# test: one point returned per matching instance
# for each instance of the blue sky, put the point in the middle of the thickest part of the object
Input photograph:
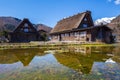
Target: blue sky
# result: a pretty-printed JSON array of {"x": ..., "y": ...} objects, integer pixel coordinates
[{"x": 49, "y": 12}]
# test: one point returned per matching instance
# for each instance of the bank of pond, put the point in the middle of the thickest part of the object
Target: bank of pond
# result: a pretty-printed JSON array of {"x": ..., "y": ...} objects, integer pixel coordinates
[{"x": 50, "y": 44}]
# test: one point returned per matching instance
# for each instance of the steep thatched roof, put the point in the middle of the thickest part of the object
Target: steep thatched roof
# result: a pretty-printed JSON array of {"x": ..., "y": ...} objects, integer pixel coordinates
[
  {"x": 69, "y": 23},
  {"x": 25, "y": 20}
]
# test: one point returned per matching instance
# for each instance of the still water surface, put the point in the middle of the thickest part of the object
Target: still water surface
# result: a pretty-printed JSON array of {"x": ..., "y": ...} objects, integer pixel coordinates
[{"x": 60, "y": 63}]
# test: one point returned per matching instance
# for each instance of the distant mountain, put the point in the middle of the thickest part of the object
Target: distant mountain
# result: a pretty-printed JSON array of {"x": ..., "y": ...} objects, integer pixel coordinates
[
  {"x": 105, "y": 20},
  {"x": 115, "y": 26},
  {"x": 115, "y": 23},
  {"x": 43, "y": 27},
  {"x": 8, "y": 23}
]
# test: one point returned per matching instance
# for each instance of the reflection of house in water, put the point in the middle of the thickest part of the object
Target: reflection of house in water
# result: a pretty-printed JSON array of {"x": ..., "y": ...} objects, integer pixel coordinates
[
  {"x": 6, "y": 58},
  {"x": 25, "y": 56},
  {"x": 82, "y": 50},
  {"x": 87, "y": 50},
  {"x": 78, "y": 62}
]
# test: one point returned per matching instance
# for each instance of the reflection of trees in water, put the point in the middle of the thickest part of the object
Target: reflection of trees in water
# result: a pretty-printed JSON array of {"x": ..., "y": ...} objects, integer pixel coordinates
[{"x": 23, "y": 55}]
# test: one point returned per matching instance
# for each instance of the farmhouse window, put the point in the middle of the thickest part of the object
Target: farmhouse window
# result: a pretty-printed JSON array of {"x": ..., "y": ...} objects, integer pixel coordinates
[
  {"x": 85, "y": 25},
  {"x": 26, "y": 30},
  {"x": 85, "y": 19}
]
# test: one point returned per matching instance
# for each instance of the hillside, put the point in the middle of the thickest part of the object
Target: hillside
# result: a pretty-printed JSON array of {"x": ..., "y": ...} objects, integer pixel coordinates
[
  {"x": 43, "y": 27},
  {"x": 115, "y": 26},
  {"x": 115, "y": 23},
  {"x": 8, "y": 23}
]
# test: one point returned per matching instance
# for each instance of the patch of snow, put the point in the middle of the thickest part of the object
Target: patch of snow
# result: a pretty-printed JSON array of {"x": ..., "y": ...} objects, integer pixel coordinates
[
  {"x": 105, "y": 20},
  {"x": 109, "y": 61}
]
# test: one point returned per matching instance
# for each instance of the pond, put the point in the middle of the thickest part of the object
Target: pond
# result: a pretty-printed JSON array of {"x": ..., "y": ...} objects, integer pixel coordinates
[{"x": 60, "y": 63}]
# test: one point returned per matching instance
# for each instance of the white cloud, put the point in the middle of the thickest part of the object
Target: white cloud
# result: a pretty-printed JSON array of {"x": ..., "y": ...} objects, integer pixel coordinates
[
  {"x": 117, "y": 2},
  {"x": 105, "y": 20}
]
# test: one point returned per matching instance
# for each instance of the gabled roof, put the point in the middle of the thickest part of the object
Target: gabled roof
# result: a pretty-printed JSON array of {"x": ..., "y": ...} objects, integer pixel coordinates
[
  {"x": 25, "y": 20},
  {"x": 69, "y": 23}
]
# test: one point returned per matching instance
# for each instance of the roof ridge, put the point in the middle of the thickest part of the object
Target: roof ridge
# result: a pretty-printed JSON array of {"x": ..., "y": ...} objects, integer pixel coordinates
[
  {"x": 78, "y": 23},
  {"x": 87, "y": 11}
]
